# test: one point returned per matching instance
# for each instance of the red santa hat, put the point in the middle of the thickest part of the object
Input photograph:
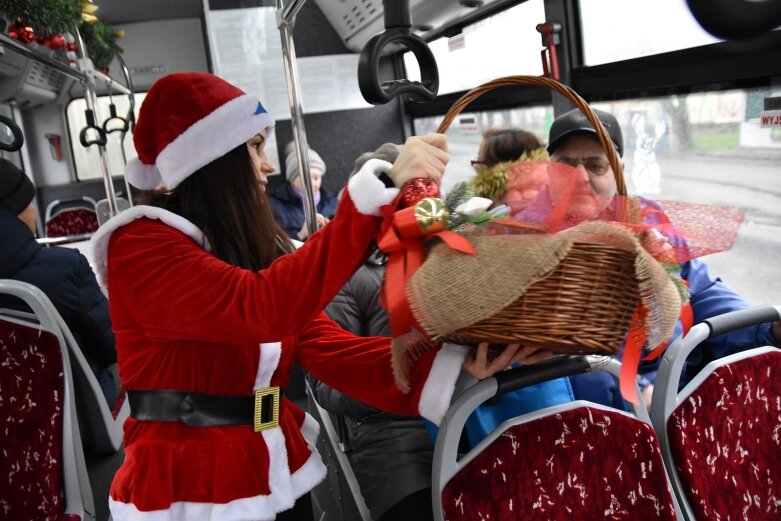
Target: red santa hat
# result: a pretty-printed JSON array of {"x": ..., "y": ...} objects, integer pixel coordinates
[{"x": 187, "y": 120}]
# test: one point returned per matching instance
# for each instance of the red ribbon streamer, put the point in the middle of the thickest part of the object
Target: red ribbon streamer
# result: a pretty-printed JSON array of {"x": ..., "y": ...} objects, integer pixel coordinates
[{"x": 402, "y": 239}]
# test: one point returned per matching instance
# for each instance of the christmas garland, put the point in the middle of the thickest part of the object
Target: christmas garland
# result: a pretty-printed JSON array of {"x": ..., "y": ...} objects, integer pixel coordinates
[
  {"x": 47, "y": 22},
  {"x": 46, "y": 17},
  {"x": 100, "y": 40}
]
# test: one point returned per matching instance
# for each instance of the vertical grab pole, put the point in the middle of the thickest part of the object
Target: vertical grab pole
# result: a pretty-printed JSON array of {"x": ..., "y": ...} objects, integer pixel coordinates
[
  {"x": 86, "y": 66},
  {"x": 286, "y": 15},
  {"x": 129, "y": 123}
]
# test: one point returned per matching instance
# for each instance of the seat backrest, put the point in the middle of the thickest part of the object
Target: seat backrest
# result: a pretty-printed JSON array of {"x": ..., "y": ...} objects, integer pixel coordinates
[
  {"x": 42, "y": 462},
  {"x": 104, "y": 208},
  {"x": 62, "y": 204},
  {"x": 725, "y": 438},
  {"x": 578, "y": 460},
  {"x": 720, "y": 434},
  {"x": 72, "y": 221},
  {"x": 101, "y": 425}
]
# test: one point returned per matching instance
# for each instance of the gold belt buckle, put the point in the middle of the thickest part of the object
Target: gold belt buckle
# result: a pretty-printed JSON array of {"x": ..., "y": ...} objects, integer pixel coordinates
[{"x": 266, "y": 408}]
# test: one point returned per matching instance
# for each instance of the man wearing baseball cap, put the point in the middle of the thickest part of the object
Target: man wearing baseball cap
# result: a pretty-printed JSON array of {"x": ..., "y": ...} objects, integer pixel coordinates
[{"x": 573, "y": 141}]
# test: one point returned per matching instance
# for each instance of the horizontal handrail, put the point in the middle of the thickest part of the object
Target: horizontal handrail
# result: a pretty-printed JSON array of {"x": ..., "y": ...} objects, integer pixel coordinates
[{"x": 54, "y": 241}]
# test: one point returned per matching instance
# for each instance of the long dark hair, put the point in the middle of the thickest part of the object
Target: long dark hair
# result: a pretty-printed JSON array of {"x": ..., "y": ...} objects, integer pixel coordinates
[
  {"x": 226, "y": 202},
  {"x": 502, "y": 145}
]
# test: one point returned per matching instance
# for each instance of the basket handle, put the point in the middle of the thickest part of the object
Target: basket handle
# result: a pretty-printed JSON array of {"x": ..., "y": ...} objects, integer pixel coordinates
[{"x": 540, "y": 81}]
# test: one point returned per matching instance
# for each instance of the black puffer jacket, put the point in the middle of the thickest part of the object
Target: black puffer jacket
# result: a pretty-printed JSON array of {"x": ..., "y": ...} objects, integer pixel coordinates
[
  {"x": 391, "y": 455},
  {"x": 65, "y": 276}
]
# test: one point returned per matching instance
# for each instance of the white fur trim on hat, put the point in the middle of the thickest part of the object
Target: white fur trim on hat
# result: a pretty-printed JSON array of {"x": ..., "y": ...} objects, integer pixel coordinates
[
  {"x": 225, "y": 128},
  {"x": 141, "y": 175},
  {"x": 369, "y": 193}
]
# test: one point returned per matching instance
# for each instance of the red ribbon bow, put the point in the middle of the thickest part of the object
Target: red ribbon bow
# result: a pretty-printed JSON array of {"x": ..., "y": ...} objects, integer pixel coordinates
[{"x": 402, "y": 237}]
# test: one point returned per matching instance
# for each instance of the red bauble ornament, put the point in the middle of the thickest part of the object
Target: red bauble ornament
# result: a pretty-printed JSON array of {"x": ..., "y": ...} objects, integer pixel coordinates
[
  {"x": 13, "y": 32},
  {"x": 55, "y": 42},
  {"x": 27, "y": 35},
  {"x": 21, "y": 32},
  {"x": 416, "y": 189},
  {"x": 71, "y": 47}
]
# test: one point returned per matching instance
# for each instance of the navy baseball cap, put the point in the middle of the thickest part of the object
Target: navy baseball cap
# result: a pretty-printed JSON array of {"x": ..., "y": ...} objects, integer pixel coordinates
[{"x": 575, "y": 122}]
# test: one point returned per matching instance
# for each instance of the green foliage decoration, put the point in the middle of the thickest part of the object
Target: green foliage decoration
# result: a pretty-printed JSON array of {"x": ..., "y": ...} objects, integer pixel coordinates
[
  {"x": 46, "y": 17},
  {"x": 100, "y": 40}
]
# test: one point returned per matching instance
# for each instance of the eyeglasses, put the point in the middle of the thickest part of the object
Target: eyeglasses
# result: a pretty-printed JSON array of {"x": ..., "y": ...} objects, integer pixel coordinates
[{"x": 595, "y": 166}]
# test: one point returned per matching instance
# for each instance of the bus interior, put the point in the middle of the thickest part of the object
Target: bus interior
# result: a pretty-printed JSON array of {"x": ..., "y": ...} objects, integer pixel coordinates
[{"x": 694, "y": 84}]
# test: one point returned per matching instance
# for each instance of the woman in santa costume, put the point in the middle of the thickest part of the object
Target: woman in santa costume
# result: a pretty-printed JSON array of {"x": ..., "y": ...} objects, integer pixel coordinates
[{"x": 211, "y": 309}]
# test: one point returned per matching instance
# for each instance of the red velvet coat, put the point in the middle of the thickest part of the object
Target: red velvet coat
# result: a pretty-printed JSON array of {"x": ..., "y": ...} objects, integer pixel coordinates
[{"x": 185, "y": 320}]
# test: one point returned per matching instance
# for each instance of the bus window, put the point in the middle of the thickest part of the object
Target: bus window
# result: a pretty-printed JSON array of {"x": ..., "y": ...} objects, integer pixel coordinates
[
  {"x": 87, "y": 160},
  {"x": 704, "y": 148},
  {"x": 501, "y": 45},
  {"x": 615, "y": 30},
  {"x": 467, "y": 130},
  {"x": 711, "y": 148}
]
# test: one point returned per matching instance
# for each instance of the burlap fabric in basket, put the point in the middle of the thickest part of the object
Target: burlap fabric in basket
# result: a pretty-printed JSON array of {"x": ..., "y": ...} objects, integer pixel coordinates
[{"x": 574, "y": 291}]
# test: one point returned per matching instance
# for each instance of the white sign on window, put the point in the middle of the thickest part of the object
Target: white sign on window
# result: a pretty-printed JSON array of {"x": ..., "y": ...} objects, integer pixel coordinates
[{"x": 246, "y": 50}]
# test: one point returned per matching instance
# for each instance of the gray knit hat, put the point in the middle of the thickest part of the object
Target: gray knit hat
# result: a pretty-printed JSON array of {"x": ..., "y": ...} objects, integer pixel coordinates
[
  {"x": 292, "y": 170},
  {"x": 16, "y": 189},
  {"x": 387, "y": 152}
]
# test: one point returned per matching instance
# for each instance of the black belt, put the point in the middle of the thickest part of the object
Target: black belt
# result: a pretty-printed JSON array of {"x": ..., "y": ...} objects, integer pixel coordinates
[{"x": 206, "y": 410}]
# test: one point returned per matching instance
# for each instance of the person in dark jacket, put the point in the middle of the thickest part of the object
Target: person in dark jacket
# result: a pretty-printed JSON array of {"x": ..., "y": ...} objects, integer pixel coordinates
[
  {"x": 391, "y": 455},
  {"x": 286, "y": 198},
  {"x": 63, "y": 274}
]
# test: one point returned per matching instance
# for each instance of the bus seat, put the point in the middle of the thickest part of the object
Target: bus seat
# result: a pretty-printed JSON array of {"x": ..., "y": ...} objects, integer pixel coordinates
[
  {"x": 720, "y": 434},
  {"x": 73, "y": 220},
  {"x": 578, "y": 460},
  {"x": 42, "y": 457},
  {"x": 101, "y": 425},
  {"x": 104, "y": 209}
]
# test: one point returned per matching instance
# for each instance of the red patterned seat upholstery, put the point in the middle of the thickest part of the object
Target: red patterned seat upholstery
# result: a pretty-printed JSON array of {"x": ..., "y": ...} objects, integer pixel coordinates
[
  {"x": 31, "y": 408},
  {"x": 582, "y": 462},
  {"x": 72, "y": 221},
  {"x": 725, "y": 439},
  {"x": 44, "y": 474}
]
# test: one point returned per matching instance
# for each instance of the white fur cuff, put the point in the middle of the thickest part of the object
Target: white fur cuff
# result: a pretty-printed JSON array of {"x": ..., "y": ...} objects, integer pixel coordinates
[
  {"x": 441, "y": 382},
  {"x": 369, "y": 193}
]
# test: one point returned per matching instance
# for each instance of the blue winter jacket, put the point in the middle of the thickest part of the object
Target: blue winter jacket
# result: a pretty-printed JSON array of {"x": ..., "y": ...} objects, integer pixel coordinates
[
  {"x": 289, "y": 208},
  {"x": 709, "y": 297},
  {"x": 65, "y": 276}
]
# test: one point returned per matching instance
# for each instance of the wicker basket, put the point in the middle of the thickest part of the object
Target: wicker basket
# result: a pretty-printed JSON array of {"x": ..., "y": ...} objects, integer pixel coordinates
[{"x": 585, "y": 305}]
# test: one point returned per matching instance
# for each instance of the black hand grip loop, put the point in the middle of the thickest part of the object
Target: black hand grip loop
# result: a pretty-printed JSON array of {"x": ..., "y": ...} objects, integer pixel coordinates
[
  {"x": 124, "y": 124},
  {"x": 378, "y": 93},
  {"x": 99, "y": 140},
  {"x": 18, "y": 141}
]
